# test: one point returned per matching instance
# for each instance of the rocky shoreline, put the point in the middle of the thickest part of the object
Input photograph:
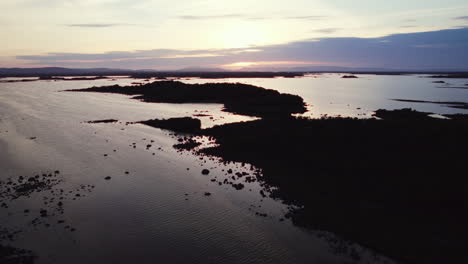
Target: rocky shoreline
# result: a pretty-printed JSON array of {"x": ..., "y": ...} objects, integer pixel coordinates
[{"x": 394, "y": 184}]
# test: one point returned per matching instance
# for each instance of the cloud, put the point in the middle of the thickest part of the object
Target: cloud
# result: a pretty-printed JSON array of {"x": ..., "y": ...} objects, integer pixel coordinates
[
  {"x": 249, "y": 17},
  {"x": 212, "y": 17},
  {"x": 327, "y": 30},
  {"x": 257, "y": 18},
  {"x": 140, "y": 55},
  {"x": 461, "y": 18},
  {"x": 306, "y": 17},
  {"x": 445, "y": 49},
  {"x": 93, "y": 25},
  {"x": 98, "y": 25}
]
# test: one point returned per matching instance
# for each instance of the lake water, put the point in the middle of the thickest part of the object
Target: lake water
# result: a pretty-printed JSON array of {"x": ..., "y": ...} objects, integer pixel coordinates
[{"x": 159, "y": 212}]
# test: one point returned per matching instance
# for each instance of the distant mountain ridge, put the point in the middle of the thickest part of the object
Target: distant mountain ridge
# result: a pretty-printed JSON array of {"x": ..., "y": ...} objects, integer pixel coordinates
[
  {"x": 59, "y": 71},
  {"x": 340, "y": 69},
  {"x": 24, "y": 72}
]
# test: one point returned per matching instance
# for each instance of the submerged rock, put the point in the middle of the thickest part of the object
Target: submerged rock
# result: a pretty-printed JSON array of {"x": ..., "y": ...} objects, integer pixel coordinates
[
  {"x": 103, "y": 121},
  {"x": 181, "y": 124},
  {"x": 400, "y": 114}
]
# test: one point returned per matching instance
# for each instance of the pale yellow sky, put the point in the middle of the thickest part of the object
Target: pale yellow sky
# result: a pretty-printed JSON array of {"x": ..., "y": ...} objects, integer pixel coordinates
[{"x": 35, "y": 27}]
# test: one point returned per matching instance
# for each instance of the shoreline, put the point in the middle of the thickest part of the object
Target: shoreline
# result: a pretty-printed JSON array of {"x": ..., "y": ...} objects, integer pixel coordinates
[
  {"x": 266, "y": 144},
  {"x": 350, "y": 178},
  {"x": 353, "y": 177}
]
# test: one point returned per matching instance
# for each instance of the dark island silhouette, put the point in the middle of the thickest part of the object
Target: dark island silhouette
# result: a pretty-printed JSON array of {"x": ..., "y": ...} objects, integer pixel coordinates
[
  {"x": 459, "y": 105},
  {"x": 395, "y": 183},
  {"x": 181, "y": 124},
  {"x": 237, "y": 98}
]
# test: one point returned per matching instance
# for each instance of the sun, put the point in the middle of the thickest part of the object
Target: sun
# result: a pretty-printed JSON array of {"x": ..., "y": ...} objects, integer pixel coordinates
[{"x": 242, "y": 35}]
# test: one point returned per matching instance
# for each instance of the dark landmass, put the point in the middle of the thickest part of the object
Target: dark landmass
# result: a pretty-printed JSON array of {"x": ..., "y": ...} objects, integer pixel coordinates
[
  {"x": 383, "y": 73},
  {"x": 185, "y": 73},
  {"x": 103, "y": 121},
  {"x": 58, "y": 71},
  {"x": 15, "y": 81},
  {"x": 459, "y": 105},
  {"x": 237, "y": 98},
  {"x": 349, "y": 77},
  {"x": 216, "y": 75},
  {"x": 458, "y": 116},
  {"x": 402, "y": 114},
  {"x": 395, "y": 185},
  {"x": 58, "y": 78},
  {"x": 55, "y": 78},
  {"x": 183, "y": 124},
  {"x": 438, "y": 82},
  {"x": 463, "y": 75}
]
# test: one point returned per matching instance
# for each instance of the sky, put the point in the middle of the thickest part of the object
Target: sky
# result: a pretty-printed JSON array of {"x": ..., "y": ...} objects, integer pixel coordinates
[{"x": 169, "y": 34}]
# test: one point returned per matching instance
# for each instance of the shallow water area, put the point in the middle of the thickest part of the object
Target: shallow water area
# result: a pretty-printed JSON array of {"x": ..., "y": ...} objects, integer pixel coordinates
[
  {"x": 332, "y": 95},
  {"x": 156, "y": 205},
  {"x": 146, "y": 200}
]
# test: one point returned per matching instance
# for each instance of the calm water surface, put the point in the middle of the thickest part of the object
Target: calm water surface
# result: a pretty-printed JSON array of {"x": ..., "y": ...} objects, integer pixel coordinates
[{"x": 158, "y": 212}]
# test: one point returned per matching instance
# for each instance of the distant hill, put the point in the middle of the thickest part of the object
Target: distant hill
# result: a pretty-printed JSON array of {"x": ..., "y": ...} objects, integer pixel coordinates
[
  {"x": 201, "y": 69},
  {"x": 339, "y": 69},
  {"x": 25, "y": 72},
  {"x": 196, "y": 71}
]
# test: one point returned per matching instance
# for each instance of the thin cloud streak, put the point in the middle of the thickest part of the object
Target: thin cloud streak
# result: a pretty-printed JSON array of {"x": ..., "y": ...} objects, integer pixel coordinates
[
  {"x": 327, "y": 30},
  {"x": 104, "y": 25},
  {"x": 93, "y": 25},
  {"x": 249, "y": 17},
  {"x": 307, "y": 17},
  {"x": 211, "y": 17}
]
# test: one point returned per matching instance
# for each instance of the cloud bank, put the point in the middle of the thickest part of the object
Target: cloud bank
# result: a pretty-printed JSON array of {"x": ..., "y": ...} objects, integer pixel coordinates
[{"x": 445, "y": 49}]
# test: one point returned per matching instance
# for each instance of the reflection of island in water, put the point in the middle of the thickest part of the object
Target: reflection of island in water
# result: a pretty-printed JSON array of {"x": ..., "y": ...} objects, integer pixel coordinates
[{"x": 396, "y": 185}]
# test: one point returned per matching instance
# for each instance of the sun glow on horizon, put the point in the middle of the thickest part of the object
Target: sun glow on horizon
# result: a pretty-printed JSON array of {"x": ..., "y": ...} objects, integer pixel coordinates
[
  {"x": 247, "y": 64},
  {"x": 240, "y": 64}
]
